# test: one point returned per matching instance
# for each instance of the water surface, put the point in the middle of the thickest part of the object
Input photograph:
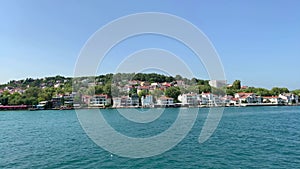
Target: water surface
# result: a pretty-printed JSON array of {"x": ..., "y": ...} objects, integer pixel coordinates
[{"x": 251, "y": 137}]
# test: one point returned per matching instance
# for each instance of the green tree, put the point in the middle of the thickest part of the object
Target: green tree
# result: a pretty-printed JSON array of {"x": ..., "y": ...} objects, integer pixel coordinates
[
  {"x": 32, "y": 92},
  {"x": 173, "y": 92},
  {"x": 3, "y": 100},
  {"x": 277, "y": 90},
  {"x": 142, "y": 93},
  {"x": 99, "y": 89},
  {"x": 90, "y": 91},
  {"x": 218, "y": 91},
  {"x": 132, "y": 92},
  {"x": 192, "y": 89},
  {"x": 262, "y": 92},
  {"x": 204, "y": 88},
  {"x": 230, "y": 91},
  {"x": 157, "y": 93},
  {"x": 236, "y": 85},
  {"x": 15, "y": 99},
  {"x": 107, "y": 89},
  {"x": 296, "y": 92}
]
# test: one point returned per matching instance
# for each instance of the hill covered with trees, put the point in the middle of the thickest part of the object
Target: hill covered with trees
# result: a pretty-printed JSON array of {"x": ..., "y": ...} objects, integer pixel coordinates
[{"x": 31, "y": 91}]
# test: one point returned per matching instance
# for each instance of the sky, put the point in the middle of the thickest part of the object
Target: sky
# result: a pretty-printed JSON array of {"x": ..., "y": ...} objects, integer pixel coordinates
[{"x": 258, "y": 42}]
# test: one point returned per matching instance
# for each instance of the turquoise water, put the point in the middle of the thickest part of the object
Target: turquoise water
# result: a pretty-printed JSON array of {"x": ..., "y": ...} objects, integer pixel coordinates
[{"x": 251, "y": 137}]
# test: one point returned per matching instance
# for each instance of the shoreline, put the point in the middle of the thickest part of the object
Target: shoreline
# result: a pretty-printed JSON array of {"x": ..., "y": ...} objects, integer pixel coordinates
[{"x": 30, "y": 108}]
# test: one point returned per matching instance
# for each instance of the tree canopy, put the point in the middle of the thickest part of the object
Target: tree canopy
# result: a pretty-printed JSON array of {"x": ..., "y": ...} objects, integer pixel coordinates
[{"x": 173, "y": 92}]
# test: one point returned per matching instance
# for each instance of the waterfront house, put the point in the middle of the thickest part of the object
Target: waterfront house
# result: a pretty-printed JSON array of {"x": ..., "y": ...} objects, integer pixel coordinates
[
  {"x": 116, "y": 102},
  {"x": 100, "y": 100},
  {"x": 43, "y": 105},
  {"x": 189, "y": 99},
  {"x": 135, "y": 100},
  {"x": 248, "y": 98},
  {"x": 272, "y": 99},
  {"x": 147, "y": 101},
  {"x": 57, "y": 101},
  {"x": 126, "y": 101},
  {"x": 235, "y": 101},
  {"x": 69, "y": 99},
  {"x": 86, "y": 99},
  {"x": 210, "y": 99},
  {"x": 228, "y": 100},
  {"x": 165, "y": 101},
  {"x": 289, "y": 98}
]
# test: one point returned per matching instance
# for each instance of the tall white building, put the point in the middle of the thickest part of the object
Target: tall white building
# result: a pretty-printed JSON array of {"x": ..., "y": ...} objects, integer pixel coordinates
[
  {"x": 147, "y": 101},
  {"x": 218, "y": 83}
]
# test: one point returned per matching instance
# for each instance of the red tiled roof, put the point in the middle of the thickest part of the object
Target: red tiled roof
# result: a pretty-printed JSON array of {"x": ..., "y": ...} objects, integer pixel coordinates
[
  {"x": 165, "y": 97},
  {"x": 270, "y": 97},
  {"x": 243, "y": 95},
  {"x": 234, "y": 99}
]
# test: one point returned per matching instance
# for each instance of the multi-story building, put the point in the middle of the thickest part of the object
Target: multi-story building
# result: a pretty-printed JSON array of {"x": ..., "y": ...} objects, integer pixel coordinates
[
  {"x": 147, "y": 101},
  {"x": 248, "y": 98},
  {"x": 165, "y": 101},
  {"x": 218, "y": 83},
  {"x": 189, "y": 99},
  {"x": 101, "y": 100}
]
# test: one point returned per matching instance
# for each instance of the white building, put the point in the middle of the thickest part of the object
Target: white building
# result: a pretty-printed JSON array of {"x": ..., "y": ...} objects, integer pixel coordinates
[
  {"x": 165, "y": 101},
  {"x": 228, "y": 100},
  {"x": 248, "y": 98},
  {"x": 147, "y": 101},
  {"x": 101, "y": 100},
  {"x": 189, "y": 99},
  {"x": 272, "y": 99},
  {"x": 125, "y": 101},
  {"x": 210, "y": 99},
  {"x": 218, "y": 83},
  {"x": 289, "y": 98},
  {"x": 116, "y": 102}
]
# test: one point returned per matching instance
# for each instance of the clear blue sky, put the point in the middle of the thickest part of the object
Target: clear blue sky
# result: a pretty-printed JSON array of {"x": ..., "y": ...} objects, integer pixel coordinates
[{"x": 257, "y": 41}]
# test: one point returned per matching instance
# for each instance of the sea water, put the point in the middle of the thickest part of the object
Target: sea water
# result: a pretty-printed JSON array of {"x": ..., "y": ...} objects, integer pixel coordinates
[{"x": 246, "y": 137}]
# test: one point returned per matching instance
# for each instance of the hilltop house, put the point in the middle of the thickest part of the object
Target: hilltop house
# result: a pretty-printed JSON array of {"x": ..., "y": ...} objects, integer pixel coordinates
[
  {"x": 218, "y": 83},
  {"x": 142, "y": 88}
]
